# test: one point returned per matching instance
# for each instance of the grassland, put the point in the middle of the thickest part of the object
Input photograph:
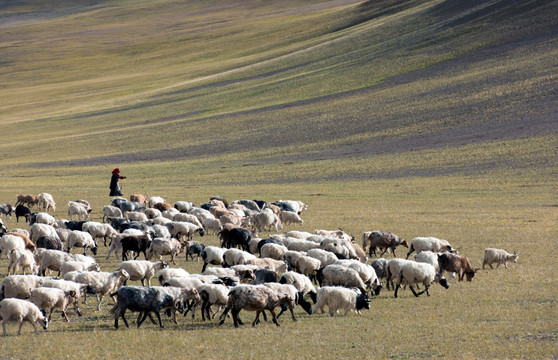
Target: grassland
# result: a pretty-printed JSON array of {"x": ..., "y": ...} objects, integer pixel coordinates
[{"x": 418, "y": 117}]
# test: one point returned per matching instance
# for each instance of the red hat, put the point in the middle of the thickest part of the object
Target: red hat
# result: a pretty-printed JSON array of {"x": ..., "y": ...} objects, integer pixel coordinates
[{"x": 116, "y": 171}]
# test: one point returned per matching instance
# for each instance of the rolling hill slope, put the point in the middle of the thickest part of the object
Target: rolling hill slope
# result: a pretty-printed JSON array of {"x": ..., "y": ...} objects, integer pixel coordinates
[{"x": 143, "y": 82}]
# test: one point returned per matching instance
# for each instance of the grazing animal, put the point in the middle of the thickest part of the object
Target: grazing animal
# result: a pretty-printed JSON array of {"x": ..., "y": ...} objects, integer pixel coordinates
[
  {"x": 433, "y": 244},
  {"x": 51, "y": 299},
  {"x": 46, "y": 202},
  {"x": 22, "y": 211},
  {"x": 6, "y": 209},
  {"x": 339, "y": 298},
  {"x": 254, "y": 298},
  {"x": 499, "y": 257},
  {"x": 142, "y": 269},
  {"x": 235, "y": 237},
  {"x": 27, "y": 199},
  {"x": 412, "y": 273},
  {"x": 456, "y": 264},
  {"x": 21, "y": 310},
  {"x": 383, "y": 240},
  {"x": 144, "y": 300},
  {"x": 340, "y": 275}
]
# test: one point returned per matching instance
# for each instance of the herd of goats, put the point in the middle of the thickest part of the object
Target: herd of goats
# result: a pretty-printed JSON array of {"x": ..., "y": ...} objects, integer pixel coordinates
[{"x": 326, "y": 267}]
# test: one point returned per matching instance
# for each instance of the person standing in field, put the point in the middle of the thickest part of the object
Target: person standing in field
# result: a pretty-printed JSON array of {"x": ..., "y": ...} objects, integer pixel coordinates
[{"x": 114, "y": 184}]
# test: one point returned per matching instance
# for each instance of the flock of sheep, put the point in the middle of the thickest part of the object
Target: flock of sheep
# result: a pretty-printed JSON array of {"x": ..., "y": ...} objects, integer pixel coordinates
[{"x": 246, "y": 272}]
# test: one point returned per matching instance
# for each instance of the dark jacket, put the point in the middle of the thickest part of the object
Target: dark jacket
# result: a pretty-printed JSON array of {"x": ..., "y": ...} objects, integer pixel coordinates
[{"x": 115, "y": 186}]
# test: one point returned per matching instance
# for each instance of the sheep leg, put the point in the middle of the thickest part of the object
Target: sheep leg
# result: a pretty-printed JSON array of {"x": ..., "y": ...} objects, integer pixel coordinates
[
  {"x": 205, "y": 309},
  {"x": 292, "y": 314},
  {"x": 235, "y": 317},
  {"x": 397, "y": 289},
  {"x": 21, "y": 325},
  {"x": 414, "y": 292},
  {"x": 224, "y": 316},
  {"x": 4, "y": 333},
  {"x": 123, "y": 318},
  {"x": 257, "y": 319},
  {"x": 64, "y": 315},
  {"x": 159, "y": 318},
  {"x": 142, "y": 316}
]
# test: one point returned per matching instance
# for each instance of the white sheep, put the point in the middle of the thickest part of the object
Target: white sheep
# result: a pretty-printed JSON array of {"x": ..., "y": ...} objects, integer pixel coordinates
[
  {"x": 222, "y": 272},
  {"x": 136, "y": 216},
  {"x": 183, "y": 206},
  {"x": 325, "y": 257},
  {"x": 412, "y": 273},
  {"x": 392, "y": 268},
  {"x": 298, "y": 234},
  {"x": 366, "y": 272},
  {"x": 498, "y": 256},
  {"x": 49, "y": 299},
  {"x": 169, "y": 214},
  {"x": 433, "y": 244},
  {"x": 273, "y": 251},
  {"x": 242, "y": 258},
  {"x": 23, "y": 259},
  {"x": 333, "y": 275},
  {"x": 142, "y": 270},
  {"x": 161, "y": 220},
  {"x": 212, "y": 226},
  {"x": 183, "y": 217},
  {"x": 212, "y": 295},
  {"x": 38, "y": 230},
  {"x": 44, "y": 218},
  {"x": 161, "y": 246},
  {"x": 266, "y": 220},
  {"x": 74, "y": 265},
  {"x": 290, "y": 257},
  {"x": 20, "y": 311},
  {"x": 339, "y": 243},
  {"x": 46, "y": 202},
  {"x": 81, "y": 239},
  {"x": 99, "y": 230},
  {"x": 155, "y": 200},
  {"x": 339, "y": 234},
  {"x": 253, "y": 245},
  {"x": 278, "y": 266},
  {"x": 339, "y": 298},
  {"x": 297, "y": 205},
  {"x": 9, "y": 242},
  {"x": 165, "y": 274},
  {"x": 110, "y": 211},
  {"x": 186, "y": 229},
  {"x": 302, "y": 245},
  {"x": 212, "y": 255},
  {"x": 75, "y": 208},
  {"x": 152, "y": 213},
  {"x": 53, "y": 260},
  {"x": 104, "y": 283},
  {"x": 161, "y": 231},
  {"x": 229, "y": 255},
  {"x": 79, "y": 289},
  {"x": 301, "y": 282},
  {"x": 19, "y": 286},
  {"x": 308, "y": 266},
  {"x": 289, "y": 217}
]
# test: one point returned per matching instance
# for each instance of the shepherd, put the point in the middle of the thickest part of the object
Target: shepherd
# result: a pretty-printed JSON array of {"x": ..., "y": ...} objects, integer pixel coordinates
[{"x": 114, "y": 185}]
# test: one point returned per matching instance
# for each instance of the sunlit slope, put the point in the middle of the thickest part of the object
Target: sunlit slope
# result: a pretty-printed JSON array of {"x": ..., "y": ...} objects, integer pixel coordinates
[{"x": 96, "y": 83}]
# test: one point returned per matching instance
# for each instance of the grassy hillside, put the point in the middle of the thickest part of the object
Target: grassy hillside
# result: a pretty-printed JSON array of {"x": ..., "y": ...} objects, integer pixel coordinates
[{"x": 418, "y": 117}]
